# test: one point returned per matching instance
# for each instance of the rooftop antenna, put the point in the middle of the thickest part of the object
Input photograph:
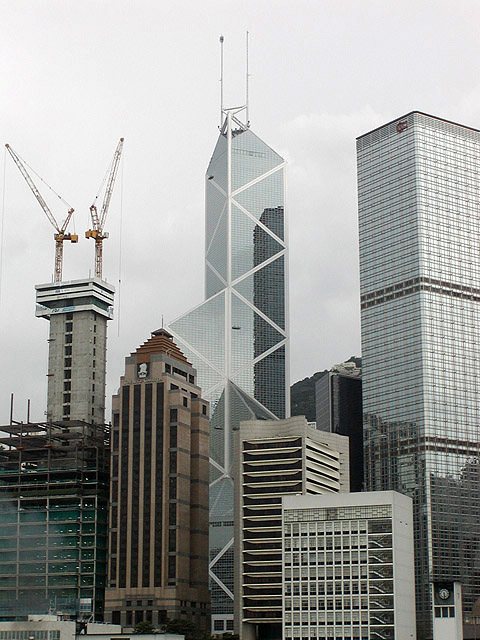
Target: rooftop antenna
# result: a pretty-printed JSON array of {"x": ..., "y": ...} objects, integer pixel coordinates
[
  {"x": 247, "y": 76},
  {"x": 221, "y": 80}
]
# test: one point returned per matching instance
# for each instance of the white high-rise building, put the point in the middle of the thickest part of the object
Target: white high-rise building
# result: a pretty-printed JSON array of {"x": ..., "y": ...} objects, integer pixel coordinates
[{"x": 348, "y": 567}]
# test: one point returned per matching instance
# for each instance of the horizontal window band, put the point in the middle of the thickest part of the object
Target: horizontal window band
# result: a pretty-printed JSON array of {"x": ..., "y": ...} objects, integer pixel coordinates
[{"x": 415, "y": 285}]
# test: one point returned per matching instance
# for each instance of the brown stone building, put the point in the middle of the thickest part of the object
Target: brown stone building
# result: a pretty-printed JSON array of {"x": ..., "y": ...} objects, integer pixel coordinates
[{"x": 158, "y": 561}]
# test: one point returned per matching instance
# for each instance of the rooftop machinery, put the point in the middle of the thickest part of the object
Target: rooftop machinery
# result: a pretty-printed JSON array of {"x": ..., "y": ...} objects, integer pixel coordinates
[{"x": 60, "y": 236}]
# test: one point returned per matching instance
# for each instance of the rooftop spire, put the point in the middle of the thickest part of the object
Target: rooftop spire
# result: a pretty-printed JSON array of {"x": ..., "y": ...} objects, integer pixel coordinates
[
  {"x": 234, "y": 110},
  {"x": 247, "y": 76},
  {"x": 221, "y": 80}
]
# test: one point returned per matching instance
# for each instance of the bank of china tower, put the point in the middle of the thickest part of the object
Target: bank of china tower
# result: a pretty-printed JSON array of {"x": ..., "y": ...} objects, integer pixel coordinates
[{"x": 238, "y": 338}]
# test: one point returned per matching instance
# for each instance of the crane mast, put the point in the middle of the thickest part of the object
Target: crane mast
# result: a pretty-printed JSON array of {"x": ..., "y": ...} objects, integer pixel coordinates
[
  {"x": 60, "y": 236},
  {"x": 97, "y": 232}
]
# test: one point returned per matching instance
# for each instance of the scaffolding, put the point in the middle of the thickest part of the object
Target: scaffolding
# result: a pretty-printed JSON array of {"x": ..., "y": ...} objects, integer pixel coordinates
[{"x": 53, "y": 518}]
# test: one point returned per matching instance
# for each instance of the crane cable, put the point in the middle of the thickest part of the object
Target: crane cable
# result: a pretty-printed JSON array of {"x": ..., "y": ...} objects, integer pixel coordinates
[
  {"x": 120, "y": 248},
  {"x": 102, "y": 184},
  {"x": 45, "y": 183},
  {"x": 2, "y": 220}
]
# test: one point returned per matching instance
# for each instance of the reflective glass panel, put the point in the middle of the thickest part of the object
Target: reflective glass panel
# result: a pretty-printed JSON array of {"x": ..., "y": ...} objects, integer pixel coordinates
[
  {"x": 218, "y": 248},
  {"x": 217, "y": 169},
  {"x": 203, "y": 328},
  {"x": 215, "y": 206},
  {"x": 264, "y": 200},
  {"x": 251, "y": 245},
  {"x": 266, "y": 290},
  {"x": 251, "y": 158}
]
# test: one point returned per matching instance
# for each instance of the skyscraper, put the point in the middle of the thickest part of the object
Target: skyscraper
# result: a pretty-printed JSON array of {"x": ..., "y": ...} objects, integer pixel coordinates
[
  {"x": 419, "y": 199},
  {"x": 275, "y": 458},
  {"x": 338, "y": 402},
  {"x": 159, "y": 491},
  {"x": 238, "y": 338}
]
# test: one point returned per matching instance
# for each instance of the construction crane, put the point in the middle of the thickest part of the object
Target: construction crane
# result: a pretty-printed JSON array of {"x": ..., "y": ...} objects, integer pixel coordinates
[
  {"x": 60, "y": 236},
  {"x": 98, "y": 220}
]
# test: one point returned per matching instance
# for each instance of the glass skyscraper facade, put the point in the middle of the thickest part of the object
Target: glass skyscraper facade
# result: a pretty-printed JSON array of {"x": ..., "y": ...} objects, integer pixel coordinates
[
  {"x": 238, "y": 338},
  {"x": 419, "y": 224}
]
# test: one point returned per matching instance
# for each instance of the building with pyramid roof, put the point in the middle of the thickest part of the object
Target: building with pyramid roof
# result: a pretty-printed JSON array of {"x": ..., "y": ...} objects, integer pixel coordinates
[{"x": 158, "y": 564}]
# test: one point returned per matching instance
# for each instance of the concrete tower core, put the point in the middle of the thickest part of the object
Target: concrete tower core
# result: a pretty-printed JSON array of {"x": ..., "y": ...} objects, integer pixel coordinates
[{"x": 78, "y": 311}]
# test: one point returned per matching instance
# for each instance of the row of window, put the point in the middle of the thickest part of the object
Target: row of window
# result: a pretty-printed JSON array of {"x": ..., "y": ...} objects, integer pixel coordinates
[{"x": 67, "y": 373}]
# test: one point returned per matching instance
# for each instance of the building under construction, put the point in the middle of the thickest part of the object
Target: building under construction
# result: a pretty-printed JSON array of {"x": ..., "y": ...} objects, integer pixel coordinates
[
  {"x": 54, "y": 475},
  {"x": 53, "y": 519}
]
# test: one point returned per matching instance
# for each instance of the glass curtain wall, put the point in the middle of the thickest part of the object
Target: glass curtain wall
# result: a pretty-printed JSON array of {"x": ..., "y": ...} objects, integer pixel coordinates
[
  {"x": 419, "y": 200},
  {"x": 238, "y": 338}
]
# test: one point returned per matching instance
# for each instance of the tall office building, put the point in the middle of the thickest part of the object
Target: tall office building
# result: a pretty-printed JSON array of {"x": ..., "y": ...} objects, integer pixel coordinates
[
  {"x": 338, "y": 403},
  {"x": 238, "y": 338},
  {"x": 419, "y": 201},
  {"x": 274, "y": 458},
  {"x": 159, "y": 491}
]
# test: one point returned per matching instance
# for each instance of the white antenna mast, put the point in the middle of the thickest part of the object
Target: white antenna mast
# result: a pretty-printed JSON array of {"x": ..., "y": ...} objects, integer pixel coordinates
[
  {"x": 247, "y": 76},
  {"x": 221, "y": 81}
]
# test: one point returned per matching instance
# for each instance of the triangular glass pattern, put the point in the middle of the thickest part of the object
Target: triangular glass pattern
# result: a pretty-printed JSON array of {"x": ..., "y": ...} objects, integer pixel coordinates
[
  {"x": 207, "y": 378},
  {"x": 244, "y": 380},
  {"x": 251, "y": 158},
  {"x": 257, "y": 410},
  {"x": 251, "y": 245},
  {"x": 204, "y": 329},
  {"x": 214, "y": 207},
  {"x": 213, "y": 284},
  {"x": 218, "y": 165},
  {"x": 217, "y": 251},
  {"x": 239, "y": 410},
  {"x": 251, "y": 336},
  {"x": 266, "y": 290},
  {"x": 217, "y": 429},
  {"x": 265, "y": 201},
  {"x": 269, "y": 382},
  {"x": 214, "y": 473},
  {"x": 221, "y": 599},
  {"x": 223, "y": 571},
  {"x": 221, "y": 503}
]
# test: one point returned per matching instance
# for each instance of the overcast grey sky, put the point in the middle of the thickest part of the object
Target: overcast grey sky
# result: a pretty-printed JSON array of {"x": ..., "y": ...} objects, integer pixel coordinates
[{"x": 75, "y": 76}]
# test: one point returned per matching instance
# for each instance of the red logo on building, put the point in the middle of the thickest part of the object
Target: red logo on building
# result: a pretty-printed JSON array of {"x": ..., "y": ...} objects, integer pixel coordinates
[{"x": 401, "y": 126}]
